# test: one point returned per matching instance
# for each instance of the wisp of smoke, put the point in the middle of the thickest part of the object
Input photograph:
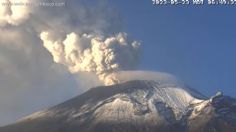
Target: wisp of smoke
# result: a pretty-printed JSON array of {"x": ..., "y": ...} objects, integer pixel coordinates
[{"x": 161, "y": 77}]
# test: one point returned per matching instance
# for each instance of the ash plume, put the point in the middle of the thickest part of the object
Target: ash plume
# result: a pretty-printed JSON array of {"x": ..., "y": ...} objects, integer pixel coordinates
[
  {"x": 28, "y": 68},
  {"x": 11, "y": 12},
  {"x": 92, "y": 53},
  {"x": 83, "y": 38}
]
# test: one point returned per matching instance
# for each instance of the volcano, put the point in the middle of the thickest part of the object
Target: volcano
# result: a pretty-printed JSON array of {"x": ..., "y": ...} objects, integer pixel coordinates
[{"x": 135, "y": 106}]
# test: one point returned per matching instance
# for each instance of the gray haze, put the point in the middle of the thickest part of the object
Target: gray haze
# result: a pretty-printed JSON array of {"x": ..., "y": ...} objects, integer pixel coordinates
[{"x": 30, "y": 79}]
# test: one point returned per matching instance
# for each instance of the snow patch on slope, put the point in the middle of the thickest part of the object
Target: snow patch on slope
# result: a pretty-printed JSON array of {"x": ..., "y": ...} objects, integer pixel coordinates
[{"x": 142, "y": 101}]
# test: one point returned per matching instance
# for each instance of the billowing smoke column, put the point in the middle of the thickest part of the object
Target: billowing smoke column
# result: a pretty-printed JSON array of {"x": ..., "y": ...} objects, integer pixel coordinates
[
  {"x": 13, "y": 14},
  {"x": 86, "y": 38},
  {"x": 83, "y": 38},
  {"x": 94, "y": 53}
]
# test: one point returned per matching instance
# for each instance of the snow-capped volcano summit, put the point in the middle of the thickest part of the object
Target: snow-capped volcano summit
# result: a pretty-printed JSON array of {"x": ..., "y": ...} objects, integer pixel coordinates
[{"x": 135, "y": 106}]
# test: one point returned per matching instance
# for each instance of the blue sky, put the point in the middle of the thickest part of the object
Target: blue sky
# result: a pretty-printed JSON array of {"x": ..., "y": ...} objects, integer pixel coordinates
[{"x": 195, "y": 43}]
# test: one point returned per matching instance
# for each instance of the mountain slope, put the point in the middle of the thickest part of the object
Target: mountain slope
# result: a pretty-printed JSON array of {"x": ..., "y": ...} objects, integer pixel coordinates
[{"x": 135, "y": 106}]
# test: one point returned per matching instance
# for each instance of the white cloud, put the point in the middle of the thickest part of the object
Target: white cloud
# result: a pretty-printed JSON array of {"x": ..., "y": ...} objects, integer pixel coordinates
[
  {"x": 28, "y": 75},
  {"x": 12, "y": 13}
]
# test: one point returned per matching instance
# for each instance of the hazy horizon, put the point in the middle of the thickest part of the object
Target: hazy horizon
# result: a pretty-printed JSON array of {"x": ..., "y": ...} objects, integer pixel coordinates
[{"x": 49, "y": 54}]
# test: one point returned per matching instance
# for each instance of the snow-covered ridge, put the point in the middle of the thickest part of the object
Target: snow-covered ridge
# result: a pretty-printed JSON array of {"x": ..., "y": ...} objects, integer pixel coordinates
[
  {"x": 136, "y": 106},
  {"x": 135, "y": 99}
]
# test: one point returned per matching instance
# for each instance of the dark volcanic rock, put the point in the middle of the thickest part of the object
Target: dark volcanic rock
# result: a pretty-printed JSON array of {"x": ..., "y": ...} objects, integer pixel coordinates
[{"x": 135, "y": 106}]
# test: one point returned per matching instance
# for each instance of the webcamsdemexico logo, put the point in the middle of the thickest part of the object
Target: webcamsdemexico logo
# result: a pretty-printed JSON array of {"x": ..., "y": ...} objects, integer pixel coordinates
[{"x": 45, "y": 3}]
